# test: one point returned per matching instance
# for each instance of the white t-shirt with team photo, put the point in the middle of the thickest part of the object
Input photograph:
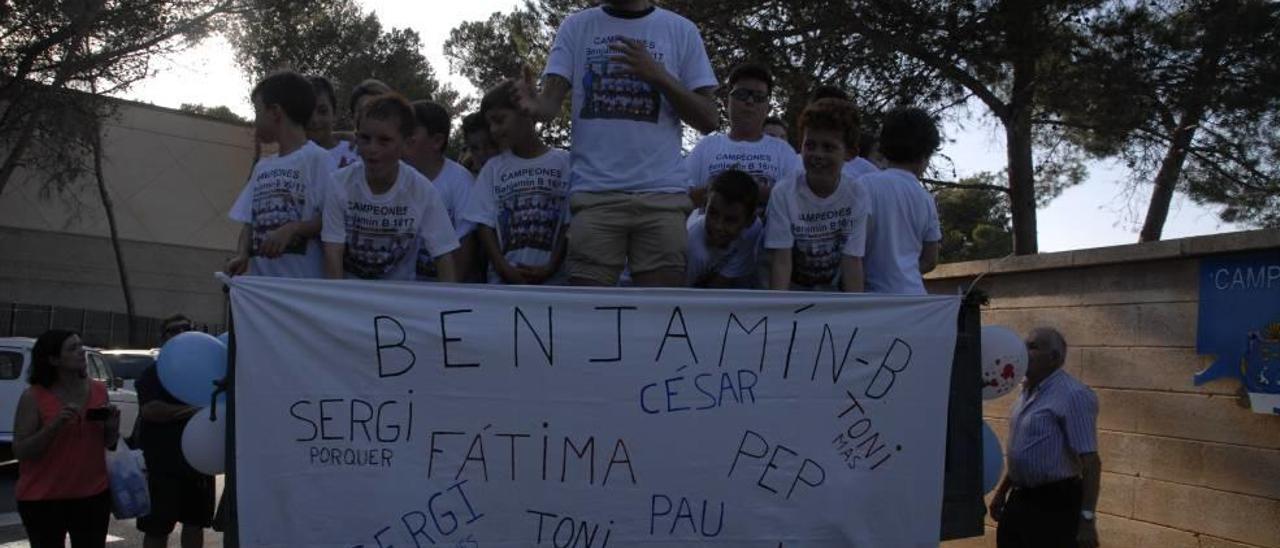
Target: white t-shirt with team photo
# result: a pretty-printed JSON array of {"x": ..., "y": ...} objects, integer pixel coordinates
[
  {"x": 819, "y": 231},
  {"x": 454, "y": 184},
  {"x": 626, "y": 134},
  {"x": 768, "y": 160},
  {"x": 524, "y": 200},
  {"x": 285, "y": 189},
  {"x": 383, "y": 233},
  {"x": 736, "y": 262}
]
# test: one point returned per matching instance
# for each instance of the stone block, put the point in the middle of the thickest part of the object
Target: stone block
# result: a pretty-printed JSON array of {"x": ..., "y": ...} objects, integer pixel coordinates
[
  {"x": 1231, "y": 242},
  {"x": 1148, "y": 368},
  {"x": 1116, "y": 494},
  {"x": 1129, "y": 533},
  {"x": 1231, "y": 516},
  {"x": 1207, "y": 418}
]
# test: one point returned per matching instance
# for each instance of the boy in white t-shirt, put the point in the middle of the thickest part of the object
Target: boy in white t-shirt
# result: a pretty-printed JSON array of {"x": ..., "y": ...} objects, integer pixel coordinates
[
  {"x": 320, "y": 130},
  {"x": 817, "y": 224},
  {"x": 746, "y": 146},
  {"x": 859, "y": 164},
  {"x": 722, "y": 243},
  {"x": 346, "y": 154},
  {"x": 521, "y": 200},
  {"x": 636, "y": 72},
  {"x": 776, "y": 127},
  {"x": 904, "y": 236},
  {"x": 281, "y": 204},
  {"x": 425, "y": 152},
  {"x": 478, "y": 142},
  {"x": 378, "y": 214}
]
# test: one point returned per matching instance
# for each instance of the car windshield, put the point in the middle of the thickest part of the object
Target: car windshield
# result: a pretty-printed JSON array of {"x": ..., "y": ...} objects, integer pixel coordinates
[{"x": 129, "y": 366}]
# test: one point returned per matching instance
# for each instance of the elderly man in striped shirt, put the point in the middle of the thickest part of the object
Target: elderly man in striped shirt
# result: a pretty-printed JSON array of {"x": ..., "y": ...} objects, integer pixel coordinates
[{"x": 1048, "y": 496}]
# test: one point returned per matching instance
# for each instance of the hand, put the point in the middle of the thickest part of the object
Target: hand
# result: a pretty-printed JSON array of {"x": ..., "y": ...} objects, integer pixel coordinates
[
  {"x": 69, "y": 413},
  {"x": 1087, "y": 534},
  {"x": 535, "y": 275},
  {"x": 637, "y": 61},
  {"x": 525, "y": 96},
  {"x": 278, "y": 240},
  {"x": 187, "y": 412},
  {"x": 511, "y": 274},
  {"x": 237, "y": 266},
  {"x": 996, "y": 510}
]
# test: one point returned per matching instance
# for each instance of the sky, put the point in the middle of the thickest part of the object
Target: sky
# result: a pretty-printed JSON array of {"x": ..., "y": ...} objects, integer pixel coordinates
[{"x": 1101, "y": 211}]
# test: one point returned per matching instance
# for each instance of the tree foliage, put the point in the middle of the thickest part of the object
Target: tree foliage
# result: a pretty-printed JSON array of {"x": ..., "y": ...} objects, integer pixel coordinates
[
  {"x": 221, "y": 112},
  {"x": 975, "y": 220},
  {"x": 1186, "y": 94},
  {"x": 339, "y": 40},
  {"x": 57, "y": 60}
]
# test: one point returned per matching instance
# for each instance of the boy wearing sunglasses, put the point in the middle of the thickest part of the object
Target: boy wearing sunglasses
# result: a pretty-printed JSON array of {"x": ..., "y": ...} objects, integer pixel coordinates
[{"x": 745, "y": 147}]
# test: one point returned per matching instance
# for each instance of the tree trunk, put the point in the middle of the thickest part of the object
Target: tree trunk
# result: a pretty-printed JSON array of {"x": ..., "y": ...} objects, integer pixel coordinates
[
  {"x": 1166, "y": 181},
  {"x": 109, "y": 207},
  {"x": 1193, "y": 104},
  {"x": 1021, "y": 29}
]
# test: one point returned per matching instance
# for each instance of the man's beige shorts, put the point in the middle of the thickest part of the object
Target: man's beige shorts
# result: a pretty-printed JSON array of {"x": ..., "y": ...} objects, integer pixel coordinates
[{"x": 612, "y": 230}]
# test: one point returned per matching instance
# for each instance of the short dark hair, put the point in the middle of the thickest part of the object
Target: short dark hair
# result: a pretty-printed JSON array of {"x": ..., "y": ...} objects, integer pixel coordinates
[
  {"x": 434, "y": 118},
  {"x": 47, "y": 347},
  {"x": 909, "y": 135},
  {"x": 867, "y": 141},
  {"x": 499, "y": 97},
  {"x": 474, "y": 122},
  {"x": 367, "y": 87},
  {"x": 323, "y": 87},
  {"x": 752, "y": 71},
  {"x": 390, "y": 106},
  {"x": 774, "y": 121},
  {"x": 291, "y": 92},
  {"x": 737, "y": 187},
  {"x": 833, "y": 115},
  {"x": 828, "y": 92}
]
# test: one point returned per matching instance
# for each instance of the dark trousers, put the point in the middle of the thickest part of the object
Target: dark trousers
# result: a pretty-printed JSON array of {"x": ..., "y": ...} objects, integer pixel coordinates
[
  {"x": 1046, "y": 516},
  {"x": 48, "y": 522}
]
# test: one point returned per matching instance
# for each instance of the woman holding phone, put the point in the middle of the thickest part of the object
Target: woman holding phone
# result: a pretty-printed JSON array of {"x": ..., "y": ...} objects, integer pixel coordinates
[{"x": 61, "y": 431}]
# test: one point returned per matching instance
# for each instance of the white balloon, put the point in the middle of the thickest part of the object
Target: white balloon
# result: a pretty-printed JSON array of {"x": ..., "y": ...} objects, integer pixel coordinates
[
  {"x": 1004, "y": 361},
  {"x": 204, "y": 442}
]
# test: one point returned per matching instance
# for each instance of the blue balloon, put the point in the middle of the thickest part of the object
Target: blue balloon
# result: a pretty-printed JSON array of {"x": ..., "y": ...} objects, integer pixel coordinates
[
  {"x": 189, "y": 364},
  {"x": 225, "y": 337},
  {"x": 992, "y": 458}
]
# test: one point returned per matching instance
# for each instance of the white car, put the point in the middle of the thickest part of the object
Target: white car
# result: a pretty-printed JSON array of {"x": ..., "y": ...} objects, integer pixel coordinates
[{"x": 15, "y": 360}]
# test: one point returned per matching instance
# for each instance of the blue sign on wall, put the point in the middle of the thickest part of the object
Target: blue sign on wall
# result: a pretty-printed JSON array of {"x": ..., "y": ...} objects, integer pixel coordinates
[{"x": 1239, "y": 323}]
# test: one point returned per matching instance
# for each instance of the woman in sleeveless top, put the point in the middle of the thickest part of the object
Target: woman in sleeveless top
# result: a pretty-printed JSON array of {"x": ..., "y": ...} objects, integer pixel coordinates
[{"x": 62, "y": 429}]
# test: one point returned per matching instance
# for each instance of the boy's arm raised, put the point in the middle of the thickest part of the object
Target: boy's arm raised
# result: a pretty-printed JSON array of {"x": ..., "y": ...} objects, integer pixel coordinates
[
  {"x": 446, "y": 269},
  {"x": 542, "y": 106}
]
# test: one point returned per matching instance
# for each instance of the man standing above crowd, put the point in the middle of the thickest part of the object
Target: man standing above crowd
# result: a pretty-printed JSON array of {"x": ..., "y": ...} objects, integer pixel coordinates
[
  {"x": 1047, "y": 498},
  {"x": 636, "y": 71}
]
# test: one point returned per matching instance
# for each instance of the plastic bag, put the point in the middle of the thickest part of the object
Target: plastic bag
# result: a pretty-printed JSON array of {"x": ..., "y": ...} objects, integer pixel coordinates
[{"x": 128, "y": 481}]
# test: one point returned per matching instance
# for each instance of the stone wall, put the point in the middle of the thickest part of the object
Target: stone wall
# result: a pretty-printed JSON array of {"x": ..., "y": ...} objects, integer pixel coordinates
[
  {"x": 173, "y": 177},
  {"x": 1183, "y": 466}
]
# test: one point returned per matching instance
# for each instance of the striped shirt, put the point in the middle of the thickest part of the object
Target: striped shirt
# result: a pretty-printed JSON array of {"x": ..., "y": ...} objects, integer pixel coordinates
[{"x": 1049, "y": 428}]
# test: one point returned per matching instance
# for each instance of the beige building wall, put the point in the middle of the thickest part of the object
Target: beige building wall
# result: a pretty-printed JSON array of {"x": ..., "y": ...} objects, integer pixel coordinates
[
  {"x": 1183, "y": 466},
  {"x": 173, "y": 177}
]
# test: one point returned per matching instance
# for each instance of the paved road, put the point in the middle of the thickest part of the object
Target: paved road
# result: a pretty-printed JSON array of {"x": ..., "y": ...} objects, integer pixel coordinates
[{"x": 123, "y": 534}]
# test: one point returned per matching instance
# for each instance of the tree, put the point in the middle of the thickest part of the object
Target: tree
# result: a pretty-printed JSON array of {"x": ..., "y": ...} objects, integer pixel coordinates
[
  {"x": 975, "y": 221},
  {"x": 82, "y": 45},
  {"x": 221, "y": 112},
  {"x": 59, "y": 60},
  {"x": 337, "y": 39},
  {"x": 487, "y": 52},
  {"x": 1185, "y": 93}
]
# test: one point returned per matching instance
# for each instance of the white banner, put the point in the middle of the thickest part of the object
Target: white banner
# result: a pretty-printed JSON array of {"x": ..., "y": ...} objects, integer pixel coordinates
[{"x": 401, "y": 414}]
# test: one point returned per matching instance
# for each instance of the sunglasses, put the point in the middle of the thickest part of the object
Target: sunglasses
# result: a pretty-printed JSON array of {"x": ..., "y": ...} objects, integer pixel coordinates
[{"x": 750, "y": 95}]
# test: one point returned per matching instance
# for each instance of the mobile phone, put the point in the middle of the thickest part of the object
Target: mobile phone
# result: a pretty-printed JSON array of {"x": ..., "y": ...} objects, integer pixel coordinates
[{"x": 98, "y": 413}]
